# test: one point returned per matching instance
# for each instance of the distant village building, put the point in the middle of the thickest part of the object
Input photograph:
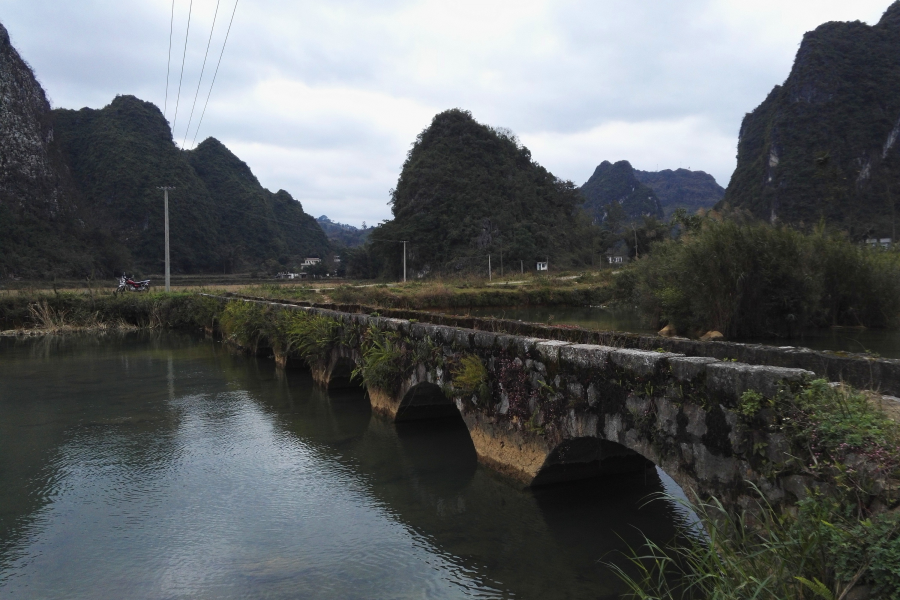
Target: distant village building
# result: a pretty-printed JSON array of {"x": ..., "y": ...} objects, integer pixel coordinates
[
  {"x": 309, "y": 262},
  {"x": 883, "y": 243},
  {"x": 288, "y": 275},
  {"x": 617, "y": 255},
  {"x": 542, "y": 266}
]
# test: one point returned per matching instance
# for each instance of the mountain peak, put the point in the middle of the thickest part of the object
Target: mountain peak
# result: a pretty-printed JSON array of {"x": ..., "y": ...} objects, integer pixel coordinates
[
  {"x": 823, "y": 146},
  {"x": 616, "y": 183},
  {"x": 891, "y": 17}
]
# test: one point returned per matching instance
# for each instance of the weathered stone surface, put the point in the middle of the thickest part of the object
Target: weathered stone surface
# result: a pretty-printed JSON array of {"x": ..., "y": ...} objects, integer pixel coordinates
[
  {"x": 666, "y": 416},
  {"x": 485, "y": 339},
  {"x": 592, "y": 395},
  {"x": 525, "y": 345},
  {"x": 733, "y": 379},
  {"x": 797, "y": 485},
  {"x": 696, "y": 418},
  {"x": 640, "y": 362},
  {"x": 508, "y": 450},
  {"x": 710, "y": 467},
  {"x": 668, "y": 408},
  {"x": 585, "y": 356},
  {"x": 548, "y": 350},
  {"x": 689, "y": 368},
  {"x": 778, "y": 450}
]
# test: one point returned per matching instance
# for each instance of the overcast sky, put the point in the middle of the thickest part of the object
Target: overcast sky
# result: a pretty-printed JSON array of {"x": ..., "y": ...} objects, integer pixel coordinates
[{"x": 323, "y": 98}]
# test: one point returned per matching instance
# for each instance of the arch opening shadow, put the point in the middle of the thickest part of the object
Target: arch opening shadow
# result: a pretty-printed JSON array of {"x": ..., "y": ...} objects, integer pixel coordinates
[
  {"x": 426, "y": 401},
  {"x": 341, "y": 375},
  {"x": 587, "y": 457}
]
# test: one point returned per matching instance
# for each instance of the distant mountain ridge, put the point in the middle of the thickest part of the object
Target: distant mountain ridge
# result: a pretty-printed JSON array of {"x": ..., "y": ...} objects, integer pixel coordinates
[
  {"x": 824, "y": 144},
  {"x": 682, "y": 188},
  {"x": 79, "y": 192},
  {"x": 343, "y": 234},
  {"x": 614, "y": 193},
  {"x": 220, "y": 217}
]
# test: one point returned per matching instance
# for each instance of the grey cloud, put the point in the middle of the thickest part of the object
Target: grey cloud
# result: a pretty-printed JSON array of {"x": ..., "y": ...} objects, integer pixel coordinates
[{"x": 555, "y": 68}]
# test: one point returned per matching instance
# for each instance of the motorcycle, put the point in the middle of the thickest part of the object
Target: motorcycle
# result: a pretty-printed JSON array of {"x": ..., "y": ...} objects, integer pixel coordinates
[{"x": 127, "y": 283}]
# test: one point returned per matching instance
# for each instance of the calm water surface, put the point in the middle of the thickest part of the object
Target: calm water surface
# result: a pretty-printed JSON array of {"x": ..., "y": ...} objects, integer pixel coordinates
[
  {"x": 162, "y": 466},
  {"x": 883, "y": 342}
]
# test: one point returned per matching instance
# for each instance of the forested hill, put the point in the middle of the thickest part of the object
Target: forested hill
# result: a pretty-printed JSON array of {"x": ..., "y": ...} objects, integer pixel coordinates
[
  {"x": 682, "y": 188},
  {"x": 467, "y": 190},
  {"x": 79, "y": 193},
  {"x": 825, "y": 143},
  {"x": 220, "y": 217},
  {"x": 257, "y": 225},
  {"x": 614, "y": 194}
]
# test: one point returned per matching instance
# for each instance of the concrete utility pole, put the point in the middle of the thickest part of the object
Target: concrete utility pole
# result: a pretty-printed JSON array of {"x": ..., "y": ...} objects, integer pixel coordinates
[
  {"x": 404, "y": 261},
  {"x": 165, "y": 190},
  {"x": 489, "y": 268}
]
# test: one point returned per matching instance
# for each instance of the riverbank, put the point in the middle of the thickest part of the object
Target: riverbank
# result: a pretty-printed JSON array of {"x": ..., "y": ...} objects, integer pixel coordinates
[
  {"x": 33, "y": 314},
  {"x": 59, "y": 310}
]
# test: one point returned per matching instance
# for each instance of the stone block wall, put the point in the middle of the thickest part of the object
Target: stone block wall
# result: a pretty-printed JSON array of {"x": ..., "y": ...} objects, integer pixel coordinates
[
  {"x": 858, "y": 370},
  {"x": 554, "y": 409}
]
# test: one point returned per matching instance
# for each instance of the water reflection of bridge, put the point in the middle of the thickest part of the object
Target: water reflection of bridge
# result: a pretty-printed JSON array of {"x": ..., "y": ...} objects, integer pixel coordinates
[{"x": 546, "y": 542}]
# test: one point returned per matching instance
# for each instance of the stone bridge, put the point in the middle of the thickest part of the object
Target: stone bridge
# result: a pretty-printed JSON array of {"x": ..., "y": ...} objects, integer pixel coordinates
[{"x": 543, "y": 411}]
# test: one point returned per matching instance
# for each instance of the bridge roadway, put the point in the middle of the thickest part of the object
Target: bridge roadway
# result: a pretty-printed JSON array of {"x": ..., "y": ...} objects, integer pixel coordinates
[{"x": 553, "y": 410}]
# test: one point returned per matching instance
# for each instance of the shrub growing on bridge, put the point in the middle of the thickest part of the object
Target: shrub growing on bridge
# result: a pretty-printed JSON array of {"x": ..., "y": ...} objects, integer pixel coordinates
[
  {"x": 382, "y": 365},
  {"x": 309, "y": 335},
  {"x": 245, "y": 322}
]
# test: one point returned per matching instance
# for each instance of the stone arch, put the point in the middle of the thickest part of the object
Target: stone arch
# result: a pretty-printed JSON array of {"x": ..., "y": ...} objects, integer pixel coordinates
[
  {"x": 426, "y": 400},
  {"x": 340, "y": 374},
  {"x": 584, "y": 457}
]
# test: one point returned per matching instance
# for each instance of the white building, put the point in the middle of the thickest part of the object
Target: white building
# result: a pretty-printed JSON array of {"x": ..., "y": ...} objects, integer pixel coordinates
[{"x": 883, "y": 243}]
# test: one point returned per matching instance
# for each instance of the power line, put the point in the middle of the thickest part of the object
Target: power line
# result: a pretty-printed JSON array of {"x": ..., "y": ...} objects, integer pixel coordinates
[
  {"x": 169, "y": 62},
  {"x": 183, "y": 56},
  {"x": 202, "y": 69},
  {"x": 216, "y": 73}
]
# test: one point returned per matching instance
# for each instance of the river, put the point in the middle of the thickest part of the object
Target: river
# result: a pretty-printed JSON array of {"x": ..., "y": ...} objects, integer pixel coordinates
[{"x": 161, "y": 465}]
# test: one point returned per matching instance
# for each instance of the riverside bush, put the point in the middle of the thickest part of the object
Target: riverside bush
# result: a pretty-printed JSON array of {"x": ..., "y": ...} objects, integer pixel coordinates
[
  {"x": 765, "y": 554},
  {"x": 755, "y": 280},
  {"x": 71, "y": 310},
  {"x": 845, "y": 533}
]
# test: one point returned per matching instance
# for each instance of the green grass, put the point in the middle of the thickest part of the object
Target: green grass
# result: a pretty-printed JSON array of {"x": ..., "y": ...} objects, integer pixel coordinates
[{"x": 766, "y": 554}]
